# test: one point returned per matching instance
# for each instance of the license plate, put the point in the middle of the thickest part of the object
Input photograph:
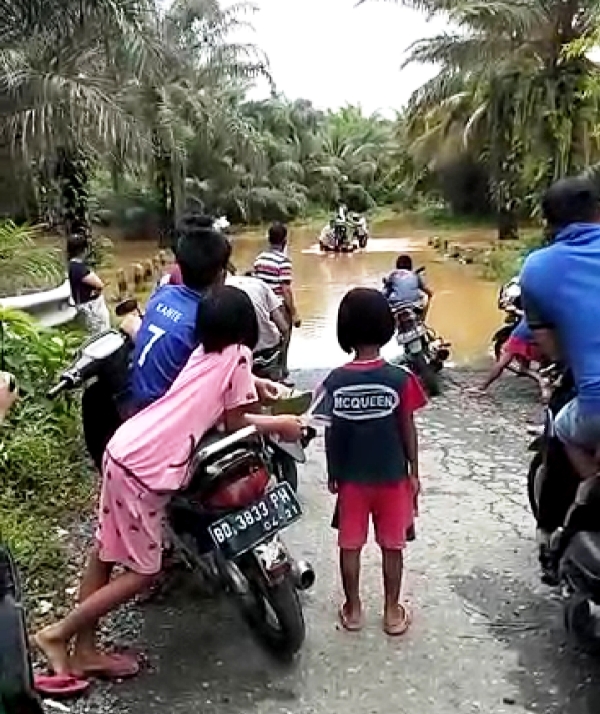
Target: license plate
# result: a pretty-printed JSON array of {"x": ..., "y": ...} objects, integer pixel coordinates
[
  {"x": 242, "y": 530},
  {"x": 406, "y": 337}
]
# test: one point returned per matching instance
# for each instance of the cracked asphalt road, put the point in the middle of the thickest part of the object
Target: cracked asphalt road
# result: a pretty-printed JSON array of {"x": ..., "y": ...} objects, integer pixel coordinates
[{"x": 487, "y": 636}]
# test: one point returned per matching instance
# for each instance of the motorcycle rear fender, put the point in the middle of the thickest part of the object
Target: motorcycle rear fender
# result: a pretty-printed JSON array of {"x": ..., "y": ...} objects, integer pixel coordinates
[
  {"x": 293, "y": 449},
  {"x": 537, "y": 443},
  {"x": 503, "y": 333},
  {"x": 272, "y": 558}
]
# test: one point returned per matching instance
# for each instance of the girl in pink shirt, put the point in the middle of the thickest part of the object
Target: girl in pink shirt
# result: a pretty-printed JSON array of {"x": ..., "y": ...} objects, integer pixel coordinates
[{"x": 146, "y": 462}]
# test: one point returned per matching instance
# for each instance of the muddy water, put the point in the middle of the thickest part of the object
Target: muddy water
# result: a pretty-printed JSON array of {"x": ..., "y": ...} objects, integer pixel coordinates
[{"x": 464, "y": 308}]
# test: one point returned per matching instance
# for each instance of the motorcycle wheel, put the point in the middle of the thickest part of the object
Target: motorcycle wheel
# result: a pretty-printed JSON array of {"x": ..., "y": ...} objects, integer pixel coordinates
[
  {"x": 580, "y": 624},
  {"x": 362, "y": 241},
  {"x": 426, "y": 374},
  {"x": 534, "y": 480},
  {"x": 274, "y": 614},
  {"x": 287, "y": 470}
]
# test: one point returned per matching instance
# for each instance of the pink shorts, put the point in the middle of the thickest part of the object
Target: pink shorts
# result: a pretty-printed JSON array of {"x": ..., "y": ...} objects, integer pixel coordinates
[
  {"x": 390, "y": 506},
  {"x": 517, "y": 347},
  {"x": 130, "y": 521}
]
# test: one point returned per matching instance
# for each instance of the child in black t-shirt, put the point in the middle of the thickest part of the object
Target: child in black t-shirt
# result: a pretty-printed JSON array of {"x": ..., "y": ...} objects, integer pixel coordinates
[{"x": 372, "y": 456}]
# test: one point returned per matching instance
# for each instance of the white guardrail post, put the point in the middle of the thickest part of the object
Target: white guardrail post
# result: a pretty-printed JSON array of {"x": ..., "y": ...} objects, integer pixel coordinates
[{"x": 49, "y": 307}]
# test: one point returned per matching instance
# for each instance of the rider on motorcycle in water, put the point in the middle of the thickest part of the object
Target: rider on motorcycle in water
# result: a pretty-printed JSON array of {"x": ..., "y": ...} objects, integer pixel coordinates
[
  {"x": 559, "y": 286},
  {"x": 404, "y": 285}
]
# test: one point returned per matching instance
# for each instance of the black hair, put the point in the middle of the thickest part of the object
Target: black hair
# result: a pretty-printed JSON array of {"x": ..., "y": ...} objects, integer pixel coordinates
[
  {"x": 77, "y": 245},
  {"x": 202, "y": 253},
  {"x": 278, "y": 234},
  {"x": 226, "y": 317},
  {"x": 571, "y": 200},
  {"x": 404, "y": 262},
  {"x": 364, "y": 320}
]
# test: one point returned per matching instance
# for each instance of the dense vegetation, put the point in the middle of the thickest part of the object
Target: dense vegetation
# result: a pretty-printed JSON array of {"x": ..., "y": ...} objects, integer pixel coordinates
[
  {"x": 517, "y": 95},
  {"x": 120, "y": 110}
]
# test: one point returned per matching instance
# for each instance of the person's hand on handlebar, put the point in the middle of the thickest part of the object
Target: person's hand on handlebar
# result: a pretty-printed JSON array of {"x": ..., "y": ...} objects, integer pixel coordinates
[
  {"x": 8, "y": 393},
  {"x": 131, "y": 324}
]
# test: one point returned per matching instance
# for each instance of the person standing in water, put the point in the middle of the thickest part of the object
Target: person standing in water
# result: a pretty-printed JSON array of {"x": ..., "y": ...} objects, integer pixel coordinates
[{"x": 274, "y": 267}]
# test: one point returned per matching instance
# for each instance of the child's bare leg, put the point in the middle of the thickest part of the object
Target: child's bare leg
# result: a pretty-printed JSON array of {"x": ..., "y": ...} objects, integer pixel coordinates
[
  {"x": 393, "y": 567},
  {"x": 96, "y": 575},
  {"x": 54, "y": 640},
  {"x": 350, "y": 569}
]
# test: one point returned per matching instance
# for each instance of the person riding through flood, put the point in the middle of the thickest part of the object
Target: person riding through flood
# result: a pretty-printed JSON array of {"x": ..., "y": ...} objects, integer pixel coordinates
[
  {"x": 559, "y": 285},
  {"x": 404, "y": 285}
]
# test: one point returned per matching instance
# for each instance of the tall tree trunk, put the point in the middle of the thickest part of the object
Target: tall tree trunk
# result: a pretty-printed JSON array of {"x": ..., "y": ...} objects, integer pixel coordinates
[{"x": 73, "y": 176}]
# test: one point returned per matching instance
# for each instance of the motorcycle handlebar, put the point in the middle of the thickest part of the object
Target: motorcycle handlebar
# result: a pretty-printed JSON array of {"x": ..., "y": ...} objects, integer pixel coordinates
[{"x": 58, "y": 388}]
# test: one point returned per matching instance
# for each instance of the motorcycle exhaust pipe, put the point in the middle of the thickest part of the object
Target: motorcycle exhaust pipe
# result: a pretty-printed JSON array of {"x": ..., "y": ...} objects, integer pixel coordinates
[{"x": 303, "y": 575}]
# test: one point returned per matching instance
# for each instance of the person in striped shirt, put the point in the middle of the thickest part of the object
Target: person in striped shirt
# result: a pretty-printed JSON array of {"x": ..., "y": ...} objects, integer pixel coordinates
[{"x": 274, "y": 268}]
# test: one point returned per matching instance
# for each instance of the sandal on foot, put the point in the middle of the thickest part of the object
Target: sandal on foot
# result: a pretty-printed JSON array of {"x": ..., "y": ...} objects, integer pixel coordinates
[
  {"x": 117, "y": 666},
  {"x": 399, "y": 628},
  {"x": 60, "y": 685},
  {"x": 349, "y": 624}
]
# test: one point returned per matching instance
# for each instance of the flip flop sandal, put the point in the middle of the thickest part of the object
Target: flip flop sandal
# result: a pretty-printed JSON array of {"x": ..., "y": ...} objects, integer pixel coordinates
[
  {"x": 400, "y": 628},
  {"x": 122, "y": 666},
  {"x": 60, "y": 686},
  {"x": 349, "y": 625}
]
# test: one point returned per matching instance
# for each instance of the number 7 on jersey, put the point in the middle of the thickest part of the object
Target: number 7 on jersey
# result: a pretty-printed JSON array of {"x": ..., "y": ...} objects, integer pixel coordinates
[{"x": 156, "y": 333}]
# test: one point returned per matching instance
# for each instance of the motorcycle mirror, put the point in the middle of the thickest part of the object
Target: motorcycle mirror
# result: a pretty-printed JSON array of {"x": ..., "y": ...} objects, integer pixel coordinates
[{"x": 126, "y": 307}]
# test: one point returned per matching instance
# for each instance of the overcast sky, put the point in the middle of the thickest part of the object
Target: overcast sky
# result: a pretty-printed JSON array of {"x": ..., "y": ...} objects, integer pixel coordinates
[{"x": 334, "y": 53}]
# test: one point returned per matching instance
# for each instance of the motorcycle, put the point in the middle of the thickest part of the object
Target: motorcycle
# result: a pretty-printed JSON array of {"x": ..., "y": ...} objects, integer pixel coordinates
[
  {"x": 17, "y": 693},
  {"x": 424, "y": 351},
  {"x": 509, "y": 301},
  {"x": 334, "y": 238},
  {"x": 228, "y": 520},
  {"x": 566, "y": 511}
]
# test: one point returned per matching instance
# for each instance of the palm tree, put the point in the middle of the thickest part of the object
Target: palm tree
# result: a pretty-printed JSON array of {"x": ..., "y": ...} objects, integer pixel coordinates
[
  {"x": 518, "y": 85},
  {"x": 68, "y": 72}
]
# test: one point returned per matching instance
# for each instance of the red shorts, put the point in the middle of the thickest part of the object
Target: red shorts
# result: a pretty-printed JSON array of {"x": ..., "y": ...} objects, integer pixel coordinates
[
  {"x": 391, "y": 506},
  {"x": 517, "y": 347}
]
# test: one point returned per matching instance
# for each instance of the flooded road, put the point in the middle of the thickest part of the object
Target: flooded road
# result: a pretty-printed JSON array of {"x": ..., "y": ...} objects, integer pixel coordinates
[{"x": 464, "y": 308}]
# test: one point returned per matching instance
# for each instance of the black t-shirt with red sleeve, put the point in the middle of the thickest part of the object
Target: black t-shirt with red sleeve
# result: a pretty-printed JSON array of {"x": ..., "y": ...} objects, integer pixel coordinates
[{"x": 362, "y": 404}]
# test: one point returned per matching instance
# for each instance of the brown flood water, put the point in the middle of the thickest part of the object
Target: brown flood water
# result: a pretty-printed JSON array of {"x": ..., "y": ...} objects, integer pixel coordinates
[{"x": 464, "y": 307}]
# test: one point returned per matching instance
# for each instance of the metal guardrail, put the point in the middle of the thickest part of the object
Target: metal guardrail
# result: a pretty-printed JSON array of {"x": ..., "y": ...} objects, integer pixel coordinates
[{"x": 49, "y": 307}]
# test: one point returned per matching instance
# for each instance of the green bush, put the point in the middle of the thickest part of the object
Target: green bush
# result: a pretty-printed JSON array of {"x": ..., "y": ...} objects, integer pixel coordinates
[{"x": 44, "y": 477}]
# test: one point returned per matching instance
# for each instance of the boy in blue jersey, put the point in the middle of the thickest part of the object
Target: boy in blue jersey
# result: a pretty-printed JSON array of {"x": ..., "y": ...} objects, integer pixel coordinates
[
  {"x": 168, "y": 335},
  {"x": 560, "y": 286}
]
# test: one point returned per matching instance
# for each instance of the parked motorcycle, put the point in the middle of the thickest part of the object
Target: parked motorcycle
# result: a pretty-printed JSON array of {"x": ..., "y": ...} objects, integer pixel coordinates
[
  {"x": 227, "y": 522},
  {"x": 17, "y": 694},
  {"x": 509, "y": 301},
  {"x": 566, "y": 511}
]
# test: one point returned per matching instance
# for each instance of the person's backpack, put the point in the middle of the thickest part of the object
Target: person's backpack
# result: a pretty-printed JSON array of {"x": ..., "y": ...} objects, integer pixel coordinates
[{"x": 17, "y": 695}]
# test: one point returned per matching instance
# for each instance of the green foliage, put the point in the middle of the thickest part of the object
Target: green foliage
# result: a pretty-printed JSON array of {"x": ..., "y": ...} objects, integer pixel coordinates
[
  {"x": 44, "y": 480},
  {"x": 516, "y": 91},
  {"x": 23, "y": 264}
]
